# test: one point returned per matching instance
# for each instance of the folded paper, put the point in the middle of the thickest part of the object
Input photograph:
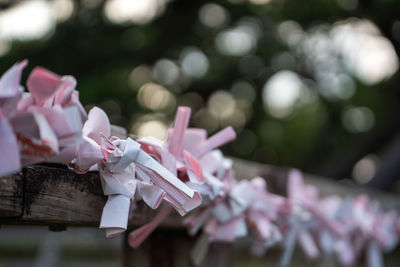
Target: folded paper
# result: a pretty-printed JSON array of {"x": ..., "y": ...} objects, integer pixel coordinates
[{"x": 188, "y": 173}]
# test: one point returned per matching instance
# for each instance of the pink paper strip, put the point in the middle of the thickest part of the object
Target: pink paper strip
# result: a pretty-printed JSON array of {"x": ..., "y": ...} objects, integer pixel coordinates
[
  {"x": 181, "y": 123},
  {"x": 136, "y": 237},
  {"x": 222, "y": 137}
]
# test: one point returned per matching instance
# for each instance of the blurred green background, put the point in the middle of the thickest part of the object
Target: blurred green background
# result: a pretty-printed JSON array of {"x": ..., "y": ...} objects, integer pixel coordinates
[{"x": 309, "y": 84}]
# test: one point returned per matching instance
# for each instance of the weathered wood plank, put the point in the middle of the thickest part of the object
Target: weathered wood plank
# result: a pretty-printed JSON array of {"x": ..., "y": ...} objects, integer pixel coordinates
[
  {"x": 11, "y": 192},
  {"x": 56, "y": 195},
  {"x": 49, "y": 195},
  {"x": 60, "y": 196}
]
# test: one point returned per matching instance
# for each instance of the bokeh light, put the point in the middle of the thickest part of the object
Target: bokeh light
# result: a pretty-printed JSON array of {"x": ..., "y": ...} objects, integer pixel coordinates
[
  {"x": 133, "y": 11},
  {"x": 237, "y": 119},
  {"x": 140, "y": 75},
  {"x": 203, "y": 118},
  {"x": 153, "y": 125},
  {"x": 281, "y": 92},
  {"x": 166, "y": 72},
  {"x": 213, "y": 15},
  {"x": 358, "y": 119},
  {"x": 27, "y": 20},
  {"x": 154, "y": 128},
  {"x": 311, "y": 85},
  {"x": 365, "y": 169},
  {"x": 156, "y": 97},
  {"x": 335, "y": 86},
  {"x": 259, "y": 2},
  {"x": 62, "y": 9},
  {"x": 240, "y": 40},
  {"x": 194, "y": 62},
  {"x": 365, "y": 51},
  {"x": 290, "y": 32},
  {"x": 193, "y": 100},
  {"x": 293, "y": 82},
  {"x": 221, "y": 104},
  {"x": 5, "y": 46}
]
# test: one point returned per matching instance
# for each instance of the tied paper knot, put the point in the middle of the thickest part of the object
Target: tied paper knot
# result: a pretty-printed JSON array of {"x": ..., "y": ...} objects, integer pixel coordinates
[
  {"x": 224, "y": 219},
  {"x": 305, "y": 214},
  {"x": 263, "y": 217},
  {"x": 126, "y": 171},
  {"x": 42, "y": 125},
  {"x": 184, "y": 154},
  {"x": 187, "y": 171},
  {"x": 117, "y": 173},
  {"x": 372, "y": 230},
  {"x": 217, "y": 171}
]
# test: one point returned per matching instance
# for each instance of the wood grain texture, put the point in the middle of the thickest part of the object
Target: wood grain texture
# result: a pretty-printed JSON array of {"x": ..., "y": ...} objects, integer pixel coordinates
[
  {"x": 54, "y": 195},
  {"x": 11, "y": 196}
]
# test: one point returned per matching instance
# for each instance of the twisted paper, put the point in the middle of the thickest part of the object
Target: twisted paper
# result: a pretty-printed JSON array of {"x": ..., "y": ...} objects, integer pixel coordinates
[{"x": 188, "y": 172}]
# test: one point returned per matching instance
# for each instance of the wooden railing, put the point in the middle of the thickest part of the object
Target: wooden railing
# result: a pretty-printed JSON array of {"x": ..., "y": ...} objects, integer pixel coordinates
[{"x": 60, "y": 198}]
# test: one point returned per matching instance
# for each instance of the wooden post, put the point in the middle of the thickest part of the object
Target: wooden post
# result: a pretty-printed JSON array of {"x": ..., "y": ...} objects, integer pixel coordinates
[
  {"x": 171, "y": 248},
  {"x": 219, "y": 255},
  {"x": 163, "y": 248}
]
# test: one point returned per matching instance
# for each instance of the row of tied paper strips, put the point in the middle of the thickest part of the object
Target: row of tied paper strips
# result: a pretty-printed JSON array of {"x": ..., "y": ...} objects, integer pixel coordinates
[{"x": 48, "y": 124}]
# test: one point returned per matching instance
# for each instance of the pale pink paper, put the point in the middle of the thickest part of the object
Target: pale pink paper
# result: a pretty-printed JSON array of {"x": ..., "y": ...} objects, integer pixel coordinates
[
  {"x": 136, "y": 237},
  {"x": 115, "y": 215},
  {"x": 10, "y": 161}
]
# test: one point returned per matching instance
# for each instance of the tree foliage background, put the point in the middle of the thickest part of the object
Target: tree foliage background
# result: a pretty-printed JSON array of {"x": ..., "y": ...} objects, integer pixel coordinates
[{"x": 308, "y": 84}]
